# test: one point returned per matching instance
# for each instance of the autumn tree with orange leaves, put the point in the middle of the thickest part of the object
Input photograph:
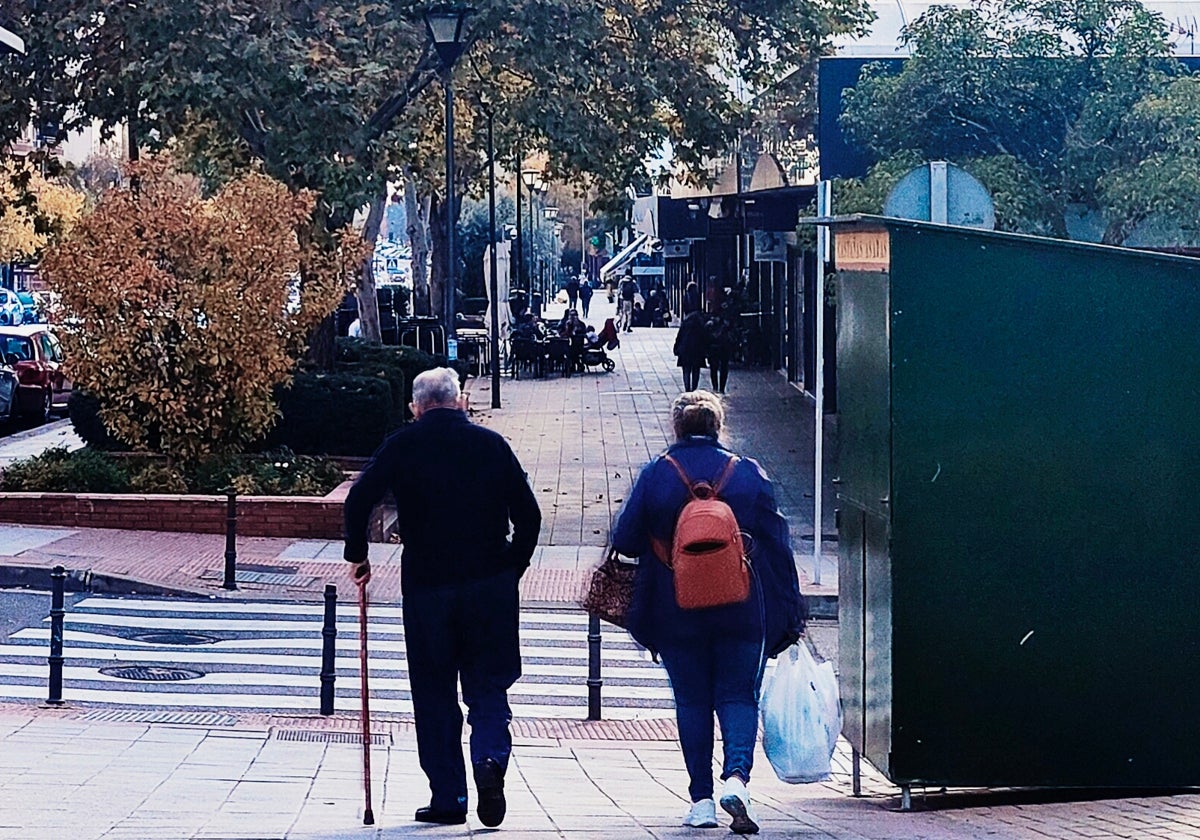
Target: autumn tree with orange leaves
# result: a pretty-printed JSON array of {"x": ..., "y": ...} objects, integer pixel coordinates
[{"x": 184, "y": 313}]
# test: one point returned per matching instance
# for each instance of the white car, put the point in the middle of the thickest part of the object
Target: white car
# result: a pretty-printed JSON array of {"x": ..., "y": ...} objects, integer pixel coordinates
[{"x": 12, "y": 311}]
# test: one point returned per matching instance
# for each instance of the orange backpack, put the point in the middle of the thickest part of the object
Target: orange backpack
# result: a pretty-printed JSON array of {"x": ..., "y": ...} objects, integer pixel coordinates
[{"x": 707, "y": 556}]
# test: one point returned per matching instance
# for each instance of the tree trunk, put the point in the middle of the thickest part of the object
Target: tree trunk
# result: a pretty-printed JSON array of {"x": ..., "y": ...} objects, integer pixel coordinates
[
  {"x": 417, "y": 208},
  {"x": 322, "y": 346},
  {"x": 368, "y": 303}
]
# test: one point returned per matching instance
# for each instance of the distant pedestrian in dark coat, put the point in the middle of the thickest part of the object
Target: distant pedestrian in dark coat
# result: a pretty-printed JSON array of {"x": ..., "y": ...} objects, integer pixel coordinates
[
  {"x": 457, "y": 487},
  {"x": 691, "y": 298},
  {"x": 715, "y": 656},
  {"x": 690, "y": 343},
  {"x": 572, "y": 288},
  {"x": 721, "y": 341},
  {"x": 585, "y": 296}
]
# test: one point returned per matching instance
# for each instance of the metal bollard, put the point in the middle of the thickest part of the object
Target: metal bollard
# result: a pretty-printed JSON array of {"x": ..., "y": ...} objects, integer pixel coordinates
[
  {"x": 329, "y": 650},
  {"x": 593, "y": 681},
  {"x": 231, "y": 542},
  {"x": 57, "y": 611}
]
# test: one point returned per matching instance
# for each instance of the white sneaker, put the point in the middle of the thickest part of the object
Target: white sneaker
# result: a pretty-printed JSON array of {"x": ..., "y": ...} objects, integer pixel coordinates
[
  {"x": 735, "y": 799},
  {"x": 703, "y": 814}
]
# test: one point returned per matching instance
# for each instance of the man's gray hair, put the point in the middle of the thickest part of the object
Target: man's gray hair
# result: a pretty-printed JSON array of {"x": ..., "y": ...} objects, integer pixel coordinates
[{"x": 436, "y": 388}]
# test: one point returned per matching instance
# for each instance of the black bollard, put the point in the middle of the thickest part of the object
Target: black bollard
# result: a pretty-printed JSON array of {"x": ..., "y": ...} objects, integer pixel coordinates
[
  {"x": 57, "y": 578},
  {"x": 231, "y": 542},
  {"x": 329, "y": 650},
  {"x": 593, "y": 681}
]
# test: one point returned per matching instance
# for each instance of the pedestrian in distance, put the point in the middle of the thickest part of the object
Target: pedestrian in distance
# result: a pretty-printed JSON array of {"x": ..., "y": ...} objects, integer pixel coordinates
[
  {"x": 572, "y": 287},
  {"x": 585, "y": 295},
  {"x": 691, "y": 298},
  {"x": 461, "y": 607},
  {"x": 720, "y": 341},
  {"x": 714, "y": 656},
  {"x": 628, "y": 293},
  {"x": 690, "y": 344}
]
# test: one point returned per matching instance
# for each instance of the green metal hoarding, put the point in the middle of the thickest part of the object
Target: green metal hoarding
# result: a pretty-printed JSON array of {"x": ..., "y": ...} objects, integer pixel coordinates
[{"x": 1019, "y": 448}]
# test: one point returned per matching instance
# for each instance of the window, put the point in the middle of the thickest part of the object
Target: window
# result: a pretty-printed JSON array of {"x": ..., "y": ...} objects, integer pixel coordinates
[{"x": 56, "y": 351}]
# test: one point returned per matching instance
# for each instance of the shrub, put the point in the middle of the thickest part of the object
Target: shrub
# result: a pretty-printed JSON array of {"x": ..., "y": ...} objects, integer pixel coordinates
[
  {"x": 279, "y": 472},
  {"x": 157, "y": 478},
  {"x": 59, "y": 471},
  {"x": 366, "y": 359},
  {"x": 334, "y": 414},
  {"x": 84, "y": 410}
]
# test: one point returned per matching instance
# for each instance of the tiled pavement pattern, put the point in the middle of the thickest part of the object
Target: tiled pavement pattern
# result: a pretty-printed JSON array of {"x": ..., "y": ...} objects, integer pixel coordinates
[{"x": 86, "y": 776}]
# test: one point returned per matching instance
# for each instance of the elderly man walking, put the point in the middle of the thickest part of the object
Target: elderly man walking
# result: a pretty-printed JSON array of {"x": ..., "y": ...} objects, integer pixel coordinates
[{"x": 457, "y": 487}]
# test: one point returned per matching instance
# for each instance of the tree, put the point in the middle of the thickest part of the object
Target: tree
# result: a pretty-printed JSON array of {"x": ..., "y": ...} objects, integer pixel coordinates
[
  {"x": 33, "y": 211},
  {"x": 186, "y": 312},
  {"x": 1047, "y": 87},
  {"x": 335, "y": 96}
]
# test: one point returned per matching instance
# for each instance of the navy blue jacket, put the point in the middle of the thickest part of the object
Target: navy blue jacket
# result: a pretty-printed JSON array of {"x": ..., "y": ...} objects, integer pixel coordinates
[
  {"x": 658, "y": 495},
  {"x": 457, "y": 486}
]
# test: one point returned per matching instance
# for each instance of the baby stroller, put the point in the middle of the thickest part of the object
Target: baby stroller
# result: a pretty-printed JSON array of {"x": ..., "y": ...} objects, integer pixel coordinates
[{"x": 593, "y": 351}]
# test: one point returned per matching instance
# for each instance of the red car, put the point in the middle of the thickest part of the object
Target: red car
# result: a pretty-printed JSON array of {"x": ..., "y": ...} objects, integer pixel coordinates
[{"x": 35, "y": 355}]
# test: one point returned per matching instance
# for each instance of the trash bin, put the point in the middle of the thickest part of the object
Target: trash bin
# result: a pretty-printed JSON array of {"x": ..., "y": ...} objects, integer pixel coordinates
[{"x": 1017, "y": 424}]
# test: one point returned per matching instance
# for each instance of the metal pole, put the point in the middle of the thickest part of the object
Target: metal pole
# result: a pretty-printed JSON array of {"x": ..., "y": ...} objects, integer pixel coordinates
[
  {"x": 231, "y": 542},
  {"x": 520, "y": 238},
  {"x": 329, "y": 649},
  {"x": 57, "y": 611},
  {"x": 594, "y": 682},
  {"x": 448, "y": 83},
  {"x": 823, "y": 196},
  {"x": 494, "y": 344}
]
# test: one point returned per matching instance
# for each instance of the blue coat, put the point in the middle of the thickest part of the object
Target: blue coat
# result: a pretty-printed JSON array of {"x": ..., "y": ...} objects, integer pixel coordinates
[{"x": 650, "y": 512}]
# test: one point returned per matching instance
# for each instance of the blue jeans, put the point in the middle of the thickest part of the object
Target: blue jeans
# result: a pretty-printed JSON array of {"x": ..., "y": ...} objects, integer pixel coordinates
[{"x": 715, "y": 674}]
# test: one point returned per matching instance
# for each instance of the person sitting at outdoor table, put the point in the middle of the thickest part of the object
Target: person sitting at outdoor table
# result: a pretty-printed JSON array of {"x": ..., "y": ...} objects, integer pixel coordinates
[
  {"x": 573, "y": 328},
  {"x": 530, "y": 328}
]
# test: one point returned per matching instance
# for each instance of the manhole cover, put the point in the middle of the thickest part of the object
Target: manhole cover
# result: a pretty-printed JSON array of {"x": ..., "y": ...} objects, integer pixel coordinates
[
  {"x": 152, "y": 673},
  {"x": 176, "y": 638}
]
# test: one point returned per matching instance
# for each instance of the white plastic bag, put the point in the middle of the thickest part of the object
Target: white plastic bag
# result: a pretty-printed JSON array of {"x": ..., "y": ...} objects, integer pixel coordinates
[{"x": 801, "y": 716}]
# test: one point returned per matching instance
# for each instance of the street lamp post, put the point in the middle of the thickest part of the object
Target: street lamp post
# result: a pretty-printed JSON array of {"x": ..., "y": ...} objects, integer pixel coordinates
[
  {"x": 530, "y": 179},
  {"x": 446, "y": 27},
  {"x": 494, "y": 340},
  {"x": 551, "y": 213}
]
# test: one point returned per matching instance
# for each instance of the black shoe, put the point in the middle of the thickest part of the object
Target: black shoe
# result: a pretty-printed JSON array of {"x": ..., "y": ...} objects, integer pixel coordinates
[
  {"x": 489, "y": 786},
  {"x": 441, "y": 816}
]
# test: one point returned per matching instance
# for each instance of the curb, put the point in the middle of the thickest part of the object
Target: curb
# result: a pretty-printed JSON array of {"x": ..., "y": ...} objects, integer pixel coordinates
[{"x": 38, "y": 577}]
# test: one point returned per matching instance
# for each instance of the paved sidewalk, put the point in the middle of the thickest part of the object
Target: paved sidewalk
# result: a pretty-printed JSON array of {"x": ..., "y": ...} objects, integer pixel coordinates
[{"x": 103, "y": 775}]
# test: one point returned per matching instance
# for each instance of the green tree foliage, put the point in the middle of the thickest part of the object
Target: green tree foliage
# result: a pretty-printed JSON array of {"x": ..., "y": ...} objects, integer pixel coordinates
[
  {"x": 1037, "y": 98},
  {"x": 334, "y": 96},
  {"x": 185, "y": 312}
]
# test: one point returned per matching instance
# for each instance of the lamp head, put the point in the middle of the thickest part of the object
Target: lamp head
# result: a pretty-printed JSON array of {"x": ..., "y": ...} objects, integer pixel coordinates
[
  {"x": 530, "y": 178},
  {"x": 447, "y": 27}
]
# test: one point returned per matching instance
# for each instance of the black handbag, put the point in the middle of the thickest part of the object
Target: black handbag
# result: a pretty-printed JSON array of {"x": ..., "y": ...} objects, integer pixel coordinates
[{"x": 610, "y": 590}]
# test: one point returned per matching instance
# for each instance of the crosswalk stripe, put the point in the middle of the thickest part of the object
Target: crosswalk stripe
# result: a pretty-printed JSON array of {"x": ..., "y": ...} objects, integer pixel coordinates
[{"x": 275, "y": 659}]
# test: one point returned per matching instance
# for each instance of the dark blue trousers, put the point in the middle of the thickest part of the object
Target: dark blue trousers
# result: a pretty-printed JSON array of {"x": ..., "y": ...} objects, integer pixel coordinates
[{"x": 466, "y": 632}]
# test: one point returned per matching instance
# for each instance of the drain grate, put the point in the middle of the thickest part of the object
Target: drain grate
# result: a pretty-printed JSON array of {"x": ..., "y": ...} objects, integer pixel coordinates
[
  {"x": 152, "y": 673},
  {"x": 135, "y": 716},
  {"x": 266, "y": 578},
  {"x": 175, "y": 638},
  {"x": 329, "y": 737}
]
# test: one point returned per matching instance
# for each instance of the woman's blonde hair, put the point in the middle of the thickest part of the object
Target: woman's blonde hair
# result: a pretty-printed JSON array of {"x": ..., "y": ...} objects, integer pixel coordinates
[{"x": 697, "y": 413}]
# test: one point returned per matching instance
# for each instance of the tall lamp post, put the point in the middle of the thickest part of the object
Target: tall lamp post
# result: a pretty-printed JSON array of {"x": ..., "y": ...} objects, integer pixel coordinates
[
  {"x": 530, "y": 178},
  {"x": 446, "y": 25},
  {"x": 551, "y": 213}
]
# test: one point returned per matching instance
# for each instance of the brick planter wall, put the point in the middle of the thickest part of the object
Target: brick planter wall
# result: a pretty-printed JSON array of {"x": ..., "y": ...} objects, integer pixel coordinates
[{"x": 301, "y": 517}]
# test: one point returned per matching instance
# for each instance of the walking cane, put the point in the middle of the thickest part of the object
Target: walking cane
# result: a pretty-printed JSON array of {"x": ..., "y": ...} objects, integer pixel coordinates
[{"x": 368, "y": 814}]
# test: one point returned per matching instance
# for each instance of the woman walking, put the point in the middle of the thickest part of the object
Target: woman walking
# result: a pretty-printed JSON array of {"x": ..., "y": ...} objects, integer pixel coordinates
[
  {"x": 714, "y": 656},
  {"x": 690, "y": 344}
]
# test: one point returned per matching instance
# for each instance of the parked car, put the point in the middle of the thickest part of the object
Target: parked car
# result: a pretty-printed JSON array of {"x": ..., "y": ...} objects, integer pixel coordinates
[
  {"x": 12, "y": 311},
  {"x": 35, "y": 356}
]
